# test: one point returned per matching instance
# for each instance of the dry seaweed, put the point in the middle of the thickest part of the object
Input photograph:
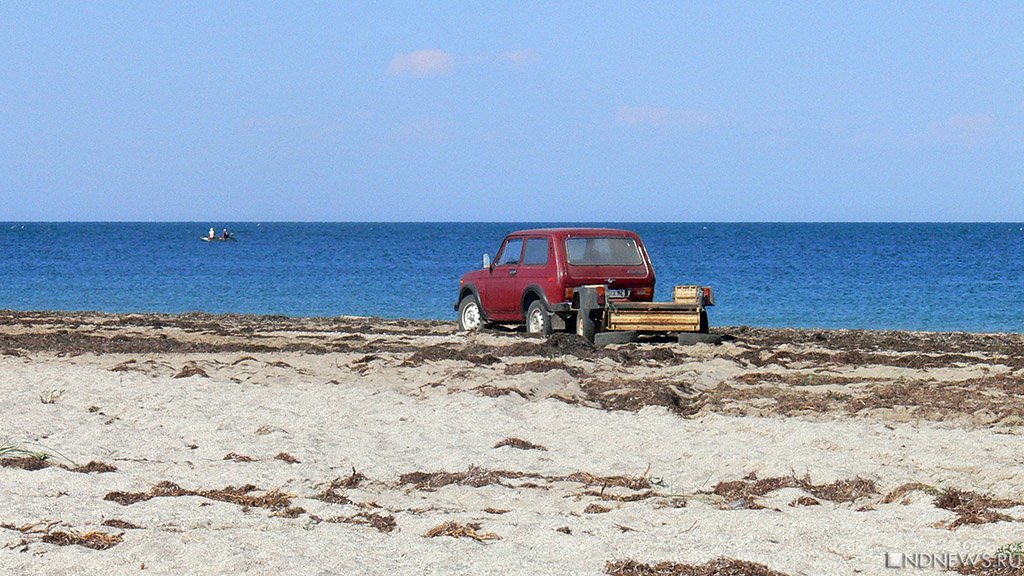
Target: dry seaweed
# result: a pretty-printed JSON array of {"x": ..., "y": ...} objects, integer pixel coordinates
[
  {"x": 121, "y": 524},
  {"x": 286, "y": 457},
  {"x": 30, "y": 463},
  {"x": 241, "y": 496},
  {"x": 805, "y": 501},
  {"x": 520, "y": 444},
  {"x": 741, "y": 493},
  {"x": 477, "y": 477},
  {"x": 541, "y": 366},
  {"x": 382, "y": 522},
  {"x": 191, "y": 369},
  {"x": 238, "y": 457},
  {"x": 595, "y": 508},
  {"x": 94, "y": 467},
  {"x": 457, "y": 530},
  {"x": 94, "y": 540},
  {"x": 717, "y": 567},
  {"x": 901, "y": 492},
  {"x": 973, "y": 508}
]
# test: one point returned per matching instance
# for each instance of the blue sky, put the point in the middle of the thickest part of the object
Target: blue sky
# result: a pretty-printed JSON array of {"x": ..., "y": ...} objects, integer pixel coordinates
[{"x": 721, "y": 111}]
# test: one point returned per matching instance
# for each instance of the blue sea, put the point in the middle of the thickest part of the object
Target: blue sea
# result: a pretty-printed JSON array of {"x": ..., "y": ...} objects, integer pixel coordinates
[{"x": 946, "y": 277}]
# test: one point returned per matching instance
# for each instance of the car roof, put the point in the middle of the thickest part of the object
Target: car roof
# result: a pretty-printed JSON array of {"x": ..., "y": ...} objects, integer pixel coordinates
[{"x": 564, "y": 232}]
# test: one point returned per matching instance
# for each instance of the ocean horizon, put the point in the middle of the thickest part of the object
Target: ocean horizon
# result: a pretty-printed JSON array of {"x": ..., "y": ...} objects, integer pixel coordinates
[{"x": 951, "y": 276}]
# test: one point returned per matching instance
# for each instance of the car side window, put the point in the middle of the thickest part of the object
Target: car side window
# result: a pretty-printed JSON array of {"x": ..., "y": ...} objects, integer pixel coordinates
[
  {"x": 510, "y": 255},
  {"x": 536, "y": 253}
]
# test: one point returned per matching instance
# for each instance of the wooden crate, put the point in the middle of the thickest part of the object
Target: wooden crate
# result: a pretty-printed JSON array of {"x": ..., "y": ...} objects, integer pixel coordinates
[
  {"x": 654, "y": 319},
  {"x": 687, "y": 295}
]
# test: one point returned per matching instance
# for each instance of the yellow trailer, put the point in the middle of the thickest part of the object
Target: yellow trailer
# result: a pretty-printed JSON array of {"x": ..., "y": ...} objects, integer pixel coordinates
[{"x": 686, "y": 313}]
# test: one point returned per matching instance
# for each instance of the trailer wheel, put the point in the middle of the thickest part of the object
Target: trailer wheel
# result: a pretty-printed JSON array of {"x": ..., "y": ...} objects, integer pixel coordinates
[
  {"x": 538, "y": 321},
  {"x": 585, "y": 325},
  {"x": 704, "y": 326}
]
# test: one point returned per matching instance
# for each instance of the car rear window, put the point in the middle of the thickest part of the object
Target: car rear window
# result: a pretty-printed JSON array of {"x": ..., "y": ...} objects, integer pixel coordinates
[
  {"x": 536, "y": 253},
  {"x": 599, "y": 251}
]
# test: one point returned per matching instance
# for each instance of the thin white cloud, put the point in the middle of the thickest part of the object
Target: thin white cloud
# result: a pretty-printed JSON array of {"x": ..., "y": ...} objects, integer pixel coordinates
[
  {"x": 521, "y": 57},
  {"x": 429, "y": 62}
]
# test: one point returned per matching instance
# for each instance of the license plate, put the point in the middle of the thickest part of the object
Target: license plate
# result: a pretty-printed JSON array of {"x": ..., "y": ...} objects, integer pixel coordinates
[{"x": 617, "y": 293}]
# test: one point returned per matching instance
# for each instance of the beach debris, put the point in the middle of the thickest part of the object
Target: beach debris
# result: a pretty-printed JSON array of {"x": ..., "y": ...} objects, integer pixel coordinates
[
  {"x": 94, "y": 467},
  {"x": 234, "y": 457},
  {"x": 478, "y": 477},
  {"x": 564, "y": 530},
  {"x": 717, "y": 567},
  {"x": 520, "y": 444},
  {"x": 614, "y": 497},
  {"x": 191, "y": 369},
  {"x": 30, "y": 462},
  {"x": 267, "y": 429},
  {"x": 805, "y": 501},
  {"x": 286, "y": 457},
  {"x": 46, "y": 532},
  {"x": 291, "y": 512},
  {"x": 496, "y": 391},
  {"x": 126, "y": 366},
  {"x": 496, "y": 511},
  {"x": 95, "y": 540},
  {"x": 382, "y": 522},
  {"x": 331, "y": 494},
  {"x": 33, "y": 461},
  {"x": 902, "y": 492},
  {"x": 973, "y": 508},
  {"x": 121, "y": 524},
  {"x": 241, "y": 496},
  {"x": 456, "y": 530},
  {"x": 594, "y": 508},
  {"x": 352, "y": 481},
  {"x": 535, "y": 366},
  {"x": 740, "y": 494},
  {"x": 440, "y": 352}
]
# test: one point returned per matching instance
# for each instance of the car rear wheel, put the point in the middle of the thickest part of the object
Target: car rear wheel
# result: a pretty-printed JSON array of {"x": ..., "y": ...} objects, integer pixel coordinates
[
  {"x": 470, "y": 317},
  {"x": 538, "y": 321}
]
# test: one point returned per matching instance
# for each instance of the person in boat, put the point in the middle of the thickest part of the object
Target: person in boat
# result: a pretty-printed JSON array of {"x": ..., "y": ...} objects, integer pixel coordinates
[
  {"x": 213, "y": 234},
  {"x": 225, "y": 235}
]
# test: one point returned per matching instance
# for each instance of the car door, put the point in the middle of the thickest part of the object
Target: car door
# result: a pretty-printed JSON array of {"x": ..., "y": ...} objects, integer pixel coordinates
[
  {"x": 537, "y": 269},
  {"x": 498, "y": 295}
]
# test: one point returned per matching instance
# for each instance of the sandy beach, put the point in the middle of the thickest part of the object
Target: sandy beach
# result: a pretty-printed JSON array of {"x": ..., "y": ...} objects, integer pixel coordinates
[{"x": 200, "y": 444}]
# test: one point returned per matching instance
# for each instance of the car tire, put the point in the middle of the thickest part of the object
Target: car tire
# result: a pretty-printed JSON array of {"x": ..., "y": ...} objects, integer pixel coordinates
[
  {"x": 471, "y": 316},
  {"x": 538, "y": 321}
]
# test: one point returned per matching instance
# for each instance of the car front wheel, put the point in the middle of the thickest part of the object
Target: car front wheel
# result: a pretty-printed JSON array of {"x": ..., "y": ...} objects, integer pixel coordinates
[
  {"x": 470, "y": 317},
  {"x": 538, "y": 321}
]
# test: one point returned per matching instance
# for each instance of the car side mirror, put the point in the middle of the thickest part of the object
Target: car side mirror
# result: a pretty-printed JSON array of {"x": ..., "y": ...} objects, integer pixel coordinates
[{"x": 487, "y": 260}]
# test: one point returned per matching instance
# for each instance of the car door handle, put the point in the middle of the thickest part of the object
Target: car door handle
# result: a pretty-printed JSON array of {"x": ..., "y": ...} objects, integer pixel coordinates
[{"x": 512, "y": 272}]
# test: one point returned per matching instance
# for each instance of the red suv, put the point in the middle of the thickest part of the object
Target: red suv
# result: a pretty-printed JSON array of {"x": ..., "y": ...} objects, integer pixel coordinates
[{"x": 533, "y": 277}]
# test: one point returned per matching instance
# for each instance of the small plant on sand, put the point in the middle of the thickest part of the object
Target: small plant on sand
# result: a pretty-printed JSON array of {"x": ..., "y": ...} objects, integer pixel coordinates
[
  {"x": 1012, "y": 550},
  {"x": 8, "y": 450},
  {"x": 50, "y": 396}
]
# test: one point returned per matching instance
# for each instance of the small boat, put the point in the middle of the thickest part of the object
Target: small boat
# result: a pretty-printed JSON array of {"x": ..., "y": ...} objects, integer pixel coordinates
[{"x": 230, "y": 238}]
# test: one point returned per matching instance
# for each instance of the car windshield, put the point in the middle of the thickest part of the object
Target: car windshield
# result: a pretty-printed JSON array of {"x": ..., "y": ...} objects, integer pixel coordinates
[{"x": 598, "y": 251}]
